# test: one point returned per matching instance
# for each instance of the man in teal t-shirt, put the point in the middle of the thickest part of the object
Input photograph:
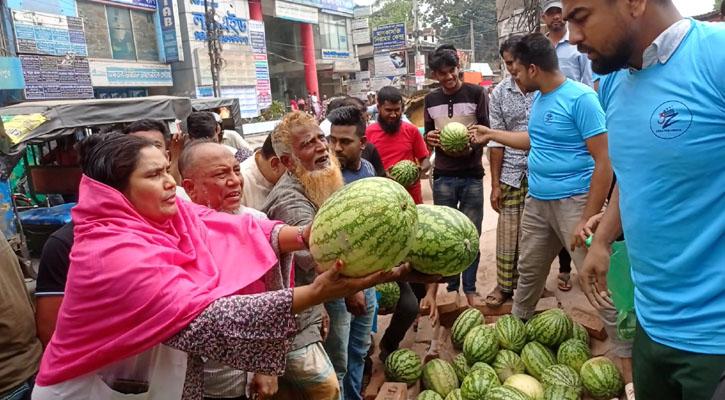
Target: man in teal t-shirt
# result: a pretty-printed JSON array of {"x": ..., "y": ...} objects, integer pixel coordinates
[
  {"x": 664, "y": 96},
  {"x": 569, "y": 172}
]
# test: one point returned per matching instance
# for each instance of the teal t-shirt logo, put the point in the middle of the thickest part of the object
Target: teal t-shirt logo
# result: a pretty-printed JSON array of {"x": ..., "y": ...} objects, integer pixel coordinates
[
  {"x": 548, "y": 117},
  {"x": 670, "y": 120}
]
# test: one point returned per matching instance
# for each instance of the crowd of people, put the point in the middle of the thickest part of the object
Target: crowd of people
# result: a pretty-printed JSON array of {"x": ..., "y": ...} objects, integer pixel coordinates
[{"x": 186, "y": 272}]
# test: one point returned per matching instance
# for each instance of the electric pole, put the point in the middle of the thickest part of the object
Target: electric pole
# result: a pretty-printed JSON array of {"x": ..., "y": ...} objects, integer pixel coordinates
[
  {"x": 212, "y": 40},
  {"x": 473, "y": 44},
  {"x": 417, "y": 38}
]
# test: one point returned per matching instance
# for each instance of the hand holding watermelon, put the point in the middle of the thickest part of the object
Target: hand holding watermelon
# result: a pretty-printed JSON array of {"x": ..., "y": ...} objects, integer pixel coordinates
[{"x": 433, "y": 138}]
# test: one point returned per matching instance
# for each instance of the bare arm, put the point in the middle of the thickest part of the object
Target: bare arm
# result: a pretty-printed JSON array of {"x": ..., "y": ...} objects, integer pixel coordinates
[
  {"x": 610, "y": 227},
  {"x": 46, "y": 316},
  {"x": 517, "y": 140},
  {"x": 496, "y": 165}
]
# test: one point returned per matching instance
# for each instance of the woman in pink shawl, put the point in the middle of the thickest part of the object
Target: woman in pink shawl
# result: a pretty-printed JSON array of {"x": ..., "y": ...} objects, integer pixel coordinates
[{"x": 158, "y": 285}]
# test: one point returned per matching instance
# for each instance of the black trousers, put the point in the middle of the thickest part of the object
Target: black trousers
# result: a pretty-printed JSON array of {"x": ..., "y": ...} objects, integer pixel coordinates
[{"x": 405, "y": 313}]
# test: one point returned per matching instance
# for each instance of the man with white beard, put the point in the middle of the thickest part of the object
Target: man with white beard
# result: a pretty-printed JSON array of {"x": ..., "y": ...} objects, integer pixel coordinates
[{"x": 313, "y": 174}]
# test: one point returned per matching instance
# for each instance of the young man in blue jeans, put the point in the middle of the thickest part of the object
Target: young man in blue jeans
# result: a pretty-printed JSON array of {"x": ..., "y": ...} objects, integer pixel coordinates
[{"x": 457, "y": 177}]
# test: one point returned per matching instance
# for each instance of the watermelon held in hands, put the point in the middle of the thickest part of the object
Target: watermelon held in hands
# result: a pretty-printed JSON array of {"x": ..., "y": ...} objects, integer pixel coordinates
[
  {"x": 601, "y": 378},
  {"x": 439, "y": 376},
  {"x": 405, "y": 172},
  {"x": 537, "y": 358},
  {"x": 389, "y": 294},
  {"x": 454, "y": 137},
  {"x": 429, "y": 395},
  {"x": 511, "y": 333},
  {"x": 477, "y": 384},
  {"x": 480, "y": 344},
  {"x": 507, "y": 363},
  {"x": 550, "y": 328},
  {"x": 455, "y": 395},
  {"x": 527, "y": 384},
  {"x": 446, "y": 242},
  {"x": 403, "y": 366},
  {"x": 463, "y": 324},
  {"x": 461, "y": 367},
  {"x": 573, "y": 353},
  {"x": 561, "y": 393},
  {"x": 506, "y": 393},
  {"x": 369, "y": 224},
  {"x": 561, "y": 375}
]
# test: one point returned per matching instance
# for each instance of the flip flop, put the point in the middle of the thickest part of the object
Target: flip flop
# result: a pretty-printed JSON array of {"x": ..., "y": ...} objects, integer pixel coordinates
[
  {"x": 496, "y": 301},
  {"x": 564, "y": 282}
]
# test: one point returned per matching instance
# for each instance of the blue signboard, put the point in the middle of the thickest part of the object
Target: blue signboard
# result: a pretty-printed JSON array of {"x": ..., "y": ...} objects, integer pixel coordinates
[
  {"x": 234, "y": 29},
  {"x": 168, "y": 30},
  {"x": 337, "y": 6},
  {"x": 389, "y": 37},
  {"x": 147, "y": 4},
  {"x": 11, "y": 74}
]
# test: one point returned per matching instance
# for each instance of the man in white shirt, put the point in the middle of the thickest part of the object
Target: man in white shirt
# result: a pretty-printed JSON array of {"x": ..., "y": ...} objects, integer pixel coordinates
[
  {"x": 260, "y": 173},
  {"x": 230, "y": 137}
]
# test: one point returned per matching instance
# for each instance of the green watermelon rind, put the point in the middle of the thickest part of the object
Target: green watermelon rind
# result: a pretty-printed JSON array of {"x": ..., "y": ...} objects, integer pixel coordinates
[
  {"x": 511, "y": 333},
  {"x": 537, "y": 358},
  {"x": 574, "y": 353},
  {"x": 389, "y": 294},
  {"x": 463, "y": 324},
  {"x": 446, "y": 241},
  {"x": 461, "y": 367},
  {"x": 439, "y": 376},
  {"x": 484, "y": 367},
  {"x": 480, "y": 344},
  {"x": 506, "y": 393},
  {"x": 561, "y": 375},
  {"x": 550, "y": 328},
  {"x": 580, "y": 332},
  {"x": 369, "y": 224},
  {"x": 405, "y": 172},
  {"x": 478, "y": 383},
  {"x": 404, "y": 366},
  {"x": 454, "y": 137},
  {"x": 507, "y": 363},
  {"x": 455, "y": 394},
  {"x": 594, "y": 374},
  {"x": 429, "y": 395},
  {"x": 554, "y": 392}
]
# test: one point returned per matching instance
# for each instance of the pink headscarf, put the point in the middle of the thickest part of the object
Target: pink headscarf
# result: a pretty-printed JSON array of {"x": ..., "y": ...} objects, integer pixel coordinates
[{"x": 134, "y": 283}]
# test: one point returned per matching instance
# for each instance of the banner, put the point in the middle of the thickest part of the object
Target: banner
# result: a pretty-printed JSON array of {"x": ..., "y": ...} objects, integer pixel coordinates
[
  {"x": 145, "y": 4},
  {"x": 261, "y": 65},
  {"x": 420, "y": 69},
  {"x": 123, "y": 74},
  {"x": 389, "y": 37},
  {"x": 50, "y": 34},
  {"x": 391, "y": 64},
  {"x": 168, "y": 30},
  {"x": 51, "y": 77}
]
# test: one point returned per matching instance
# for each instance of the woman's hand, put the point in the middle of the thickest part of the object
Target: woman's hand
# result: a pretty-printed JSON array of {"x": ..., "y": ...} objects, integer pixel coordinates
[{"x": 331, "y": 285}]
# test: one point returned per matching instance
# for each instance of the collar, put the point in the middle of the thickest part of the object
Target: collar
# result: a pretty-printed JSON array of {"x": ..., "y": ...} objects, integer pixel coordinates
[
  {"x": 565, "y": 38},
  {"x": 666, "y": 43},
  {"x": 512, "y": 86}
]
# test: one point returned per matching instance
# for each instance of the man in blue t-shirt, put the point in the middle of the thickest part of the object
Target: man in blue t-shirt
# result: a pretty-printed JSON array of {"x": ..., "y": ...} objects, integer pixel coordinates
[
  {"x": 664, "y": 95},
  {"x": 569, "y": 172}
]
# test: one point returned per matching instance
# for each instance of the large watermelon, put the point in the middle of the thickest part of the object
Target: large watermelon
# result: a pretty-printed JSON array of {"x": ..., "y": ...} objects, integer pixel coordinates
[
  {"x": 480, "y": 344},
  {"x": 527, "y": 384},
  {"x": 506, "y": 393},
  {"x": 511, "y": 333},
  {"x": 507, "y": 363},
  {"x": 573, "y": 353},
  {"x": 482, "y": 366},
  {"x": 561, "y": 393},
  {"x": 446, "y": 242},
  {"x": 580, "y": 332},
  {"x": 403, "y": 366},
  {"x": 454, "y": 137},
  {"x": 460, "y": 365},
  {"x": 561, "y": 375},
  {"x": 455, "y": 394},
  {"x": 389, "y": 294},
  {"x": 429, "y": 395},
  {"x": 439, "y": 376},
  {"x": 477, "y": 384},
  {"x": 405, "y": 172},
  {"x": 463, "y": 324},
  {"x": 601, "y": 378},
  {"x": 537, "y": 358},
  {"x": 550, "y": 328},
  {"x": 369, "y": 224}
]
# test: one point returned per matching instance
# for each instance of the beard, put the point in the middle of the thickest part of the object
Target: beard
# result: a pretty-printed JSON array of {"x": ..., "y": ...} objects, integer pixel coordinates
[
  {"x": 320, "y": 184},
  {"x": 618, "y": 59},
  {"x": 389, "y": 128}
]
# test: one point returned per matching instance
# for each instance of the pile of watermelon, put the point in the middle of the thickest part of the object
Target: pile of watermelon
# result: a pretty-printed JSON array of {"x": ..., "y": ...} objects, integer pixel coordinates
[
  {"x": 372, "y": 224},
  {"x": 547, "y": 358}
]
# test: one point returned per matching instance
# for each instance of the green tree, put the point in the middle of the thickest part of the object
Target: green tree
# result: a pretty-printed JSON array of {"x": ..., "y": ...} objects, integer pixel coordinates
[
  {"x": 451, "y": 20},
  {"x": 717, "y": 5},
  {"x": 391, "y": 12}
]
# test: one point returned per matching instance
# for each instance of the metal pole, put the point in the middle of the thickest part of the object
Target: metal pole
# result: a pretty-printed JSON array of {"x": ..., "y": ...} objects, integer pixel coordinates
[
  {"x": 473, "y": 44},
  {"x": 210, "y": 35},
  {"x": 417, "y": 38}
]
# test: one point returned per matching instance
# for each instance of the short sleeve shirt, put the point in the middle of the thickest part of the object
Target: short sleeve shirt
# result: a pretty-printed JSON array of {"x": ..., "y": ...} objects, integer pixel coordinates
[
  {"x": 54, "y": 262},
  {"x": 366, "y": 171}
]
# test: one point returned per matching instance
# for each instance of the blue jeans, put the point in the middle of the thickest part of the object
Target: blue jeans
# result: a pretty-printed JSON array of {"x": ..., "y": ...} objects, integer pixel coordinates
[
  {"x": 338, "y": 338},
  {"x": 358, "y": 347},
  {"x": 465, "y": 195},
  {"x": 21, "y": 392}
]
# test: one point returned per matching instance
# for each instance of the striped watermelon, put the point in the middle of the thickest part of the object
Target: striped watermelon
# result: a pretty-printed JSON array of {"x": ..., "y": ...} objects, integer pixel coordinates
[
  {"x": 389, "y": 294},
  {"x": 480, "y": 344},
  {"x": 463, "y": 324},
  {"x": 439, "y": 376},
  {"x": 511, "y": 333},
  {"x": 455, "y": 395},
  {"x": 580, "y": 332},
  {"x": 561, "y": 375},
  {"x": 454, "y": 137},
  {"x": 601, "y": 378},
  {"x": 477, "y": 384},
  {"x": 429, "y": 395},
  {"x": 506, "y": 393},
  {"x": 482, "y": 366},
  {"x": 446, "y": 242},
  {"x": 405, "y": 172},
  {"x": 550, "y": 328},
  {"x": 537, "y": 358},
  {"x": 403, "y": 366},
  {"x": 527, "y": 384},
  {"x": 573, "y": 353},
  {"x": 561, "y": 393},
  {"x": 460, "y": 365},
  {"x": 369, "y": 224},
  {"x": 507, "y": 363}
]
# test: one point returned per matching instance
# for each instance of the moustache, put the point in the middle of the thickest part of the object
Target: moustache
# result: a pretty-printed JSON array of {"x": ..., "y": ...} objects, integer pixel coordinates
[{"x": 584, "y": 49}]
